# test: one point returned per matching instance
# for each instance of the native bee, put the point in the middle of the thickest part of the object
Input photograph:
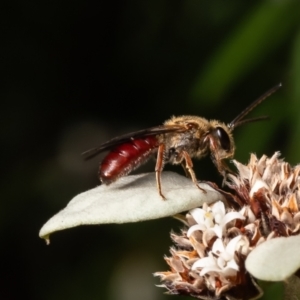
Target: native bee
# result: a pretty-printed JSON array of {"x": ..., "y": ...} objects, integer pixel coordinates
[{"x": 177, "y": 141}]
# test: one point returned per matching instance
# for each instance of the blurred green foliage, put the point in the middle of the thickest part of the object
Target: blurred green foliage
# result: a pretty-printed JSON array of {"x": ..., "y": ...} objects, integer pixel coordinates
[{"x": 76, "y": 73}]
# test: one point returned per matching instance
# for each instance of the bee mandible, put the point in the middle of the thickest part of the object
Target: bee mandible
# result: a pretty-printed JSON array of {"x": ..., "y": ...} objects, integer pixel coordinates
[{"x": 177, "y": 141}]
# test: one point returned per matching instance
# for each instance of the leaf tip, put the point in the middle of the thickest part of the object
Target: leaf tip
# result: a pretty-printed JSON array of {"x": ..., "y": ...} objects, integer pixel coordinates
[{"x": 45, "y": 237}]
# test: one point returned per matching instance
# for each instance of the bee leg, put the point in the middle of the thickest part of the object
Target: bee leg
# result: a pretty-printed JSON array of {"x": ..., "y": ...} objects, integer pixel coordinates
[
  {"x": 223, "y": 169},
  {"x": 189, "y": 168},
  {"x": 219, "y": 162},
  {"x": 159, "y": 167},
  {"x": 187, "y": 173}
]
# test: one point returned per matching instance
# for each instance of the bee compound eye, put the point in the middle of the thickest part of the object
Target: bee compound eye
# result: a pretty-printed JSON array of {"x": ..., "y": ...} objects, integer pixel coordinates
[{"x": 223, "y": 138}]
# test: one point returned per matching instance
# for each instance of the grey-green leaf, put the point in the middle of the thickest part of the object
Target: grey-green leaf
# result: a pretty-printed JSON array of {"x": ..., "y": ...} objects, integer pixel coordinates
[
  {"x": 131, "y": 199},
  {"x": 276, "y": 259}
]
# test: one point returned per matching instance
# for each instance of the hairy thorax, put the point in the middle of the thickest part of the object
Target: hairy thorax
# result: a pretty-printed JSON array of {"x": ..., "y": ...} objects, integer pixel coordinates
[{"x": 191, "y": 140}]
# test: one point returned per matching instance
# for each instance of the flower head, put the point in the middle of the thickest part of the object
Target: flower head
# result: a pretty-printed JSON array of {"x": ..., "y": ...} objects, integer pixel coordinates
[{"x": 210, "y": 260}]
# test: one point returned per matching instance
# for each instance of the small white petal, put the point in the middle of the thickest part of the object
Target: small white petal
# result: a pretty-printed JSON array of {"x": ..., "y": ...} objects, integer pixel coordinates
[
  {"x": 232, "y": 265},
  {"x": 207, "y": 236},
  {"x": 218, "y": 247},
  {"x": 218, "y": 230},
  {"x": 221, "y": 262},
  {"x": 207, "y": 261},
  {"x": 218, "y": 210},
  {"x": 131, "y": 199},
  {"x": 276, "y": 259},
  {"x": 247, "y": 212},
  {"x": 198, "y": 215},
  {"x": 230, "y": 217},
  {"x": 196, "y": 227},
  {"x": 243, "y": 246},
  {"x": 232, "y": 245}
]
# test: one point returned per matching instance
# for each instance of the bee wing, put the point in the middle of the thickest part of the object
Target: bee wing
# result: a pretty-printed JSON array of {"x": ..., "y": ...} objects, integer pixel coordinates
[{"x": 129, "y": 136}]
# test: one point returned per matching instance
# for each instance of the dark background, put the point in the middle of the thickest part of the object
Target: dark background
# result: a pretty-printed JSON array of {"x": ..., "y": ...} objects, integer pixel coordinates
[{"x": 76, "y": 73}]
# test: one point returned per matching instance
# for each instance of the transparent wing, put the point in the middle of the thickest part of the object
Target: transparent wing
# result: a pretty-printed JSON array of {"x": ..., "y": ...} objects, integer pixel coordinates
[{"x": 126, "y": 137}]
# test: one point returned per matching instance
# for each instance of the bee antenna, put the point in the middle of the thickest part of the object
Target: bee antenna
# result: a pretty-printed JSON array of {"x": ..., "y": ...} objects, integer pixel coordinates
[
  {"x": 245, "y": 121},
  {"x": 237, "y": 121}
]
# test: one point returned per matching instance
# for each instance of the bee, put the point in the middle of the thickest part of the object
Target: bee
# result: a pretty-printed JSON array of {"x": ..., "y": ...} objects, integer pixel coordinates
[{"x": 177, "y": 141}]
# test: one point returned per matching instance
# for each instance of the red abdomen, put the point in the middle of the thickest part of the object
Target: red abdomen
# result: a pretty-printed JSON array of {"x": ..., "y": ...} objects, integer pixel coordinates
[{"x": 126, "y": 157}]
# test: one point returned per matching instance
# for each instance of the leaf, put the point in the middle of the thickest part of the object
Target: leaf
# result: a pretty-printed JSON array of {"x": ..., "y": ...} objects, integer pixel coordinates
[
  {"x": 131, "y": 199},
  {"x": 276, "y": 259}
]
